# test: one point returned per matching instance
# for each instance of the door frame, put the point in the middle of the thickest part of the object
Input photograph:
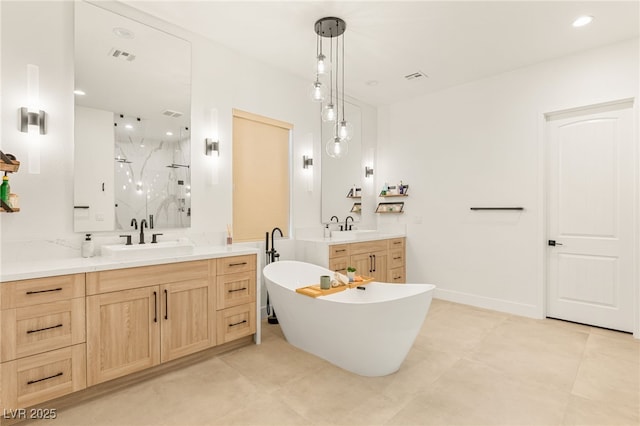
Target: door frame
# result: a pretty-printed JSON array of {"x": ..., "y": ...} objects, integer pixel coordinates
[{"x": 543, "y": 203}]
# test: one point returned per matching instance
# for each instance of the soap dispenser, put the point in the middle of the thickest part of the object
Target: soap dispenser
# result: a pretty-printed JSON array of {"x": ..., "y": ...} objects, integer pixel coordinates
[
  {"x": 87, "y": 246},
  {"x": 327, "y": 231}
]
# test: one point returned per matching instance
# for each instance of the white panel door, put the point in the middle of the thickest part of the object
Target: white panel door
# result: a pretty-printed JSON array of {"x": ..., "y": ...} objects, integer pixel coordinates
[{"x": 591, "y": 181}]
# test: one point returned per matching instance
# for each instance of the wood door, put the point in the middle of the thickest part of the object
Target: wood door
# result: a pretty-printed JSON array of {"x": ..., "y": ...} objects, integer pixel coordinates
[
  {"x": 123, "y": 333},
  {"x": 380, "y": 260},
  {"x": 188, "y": 313},
  {"x": 363, "y": 264},
  {"x": 591, "y": 181}
]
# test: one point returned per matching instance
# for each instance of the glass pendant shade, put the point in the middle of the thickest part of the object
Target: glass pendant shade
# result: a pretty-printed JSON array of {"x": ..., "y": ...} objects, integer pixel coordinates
[
  {"x": 344, "y": 130},
  {"x": 337, "y": 148},
  {"x": 323, "y": 65},
  {"x": 329, "y": 113},
  {"x": 317, "y": 92}
]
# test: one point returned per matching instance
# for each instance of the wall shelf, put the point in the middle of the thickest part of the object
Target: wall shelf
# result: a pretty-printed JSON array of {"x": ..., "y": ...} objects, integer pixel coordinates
[
  {"x": 352, "y": 195},
  {"x": 357, "y": 208},
  {"x": 8, "y": 164},
  {"x": 390, "y": 207},
  {"x": 392, "y": 192}
]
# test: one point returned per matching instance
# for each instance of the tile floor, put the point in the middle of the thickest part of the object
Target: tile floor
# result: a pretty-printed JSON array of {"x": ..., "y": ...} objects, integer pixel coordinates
[{"x": 468, "y": 366}]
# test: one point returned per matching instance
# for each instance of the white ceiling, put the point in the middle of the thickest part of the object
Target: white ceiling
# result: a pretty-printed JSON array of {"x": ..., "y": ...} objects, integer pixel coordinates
[{"x": 453, "y": 42}]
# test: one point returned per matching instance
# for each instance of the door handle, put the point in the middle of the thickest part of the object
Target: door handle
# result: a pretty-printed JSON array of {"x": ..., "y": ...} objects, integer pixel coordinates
[
  {"x": 370, "y": 263},
  {"x": 374, "y": 262},
  {"x": 155, "y": 306},
  {"x": 166, "y": 304},
  {"x": 554, "y": 243}
]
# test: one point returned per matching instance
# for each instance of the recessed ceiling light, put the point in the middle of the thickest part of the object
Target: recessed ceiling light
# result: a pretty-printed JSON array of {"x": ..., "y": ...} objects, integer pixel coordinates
[
  {"x": 79, "y": 92},
  {"x": 582, "y": 21},
  {"x": 123, "y": 32},
  {"x": 128, "y": 126},
  {"x": 169, "y": 134}
]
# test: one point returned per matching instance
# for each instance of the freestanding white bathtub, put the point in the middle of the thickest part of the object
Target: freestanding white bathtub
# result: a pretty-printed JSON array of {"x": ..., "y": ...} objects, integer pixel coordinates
[{"x": 368, "y": 332}]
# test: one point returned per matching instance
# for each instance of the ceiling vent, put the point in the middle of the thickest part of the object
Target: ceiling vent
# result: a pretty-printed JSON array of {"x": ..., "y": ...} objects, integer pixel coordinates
[
  {"x": 121, "y": 54},
  {"x": 170, "y": 113},
  {"x": 418, "y": 75}
]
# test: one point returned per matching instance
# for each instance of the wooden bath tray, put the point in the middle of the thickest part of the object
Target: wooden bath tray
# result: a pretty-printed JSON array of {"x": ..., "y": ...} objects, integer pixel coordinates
[
  {"x": 315, "y": 290},
  {"x": 365, "y": 280}
]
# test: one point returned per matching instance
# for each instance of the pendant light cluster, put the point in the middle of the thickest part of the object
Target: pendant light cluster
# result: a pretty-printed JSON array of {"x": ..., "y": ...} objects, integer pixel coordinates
[{"x": 331, "y": 68}]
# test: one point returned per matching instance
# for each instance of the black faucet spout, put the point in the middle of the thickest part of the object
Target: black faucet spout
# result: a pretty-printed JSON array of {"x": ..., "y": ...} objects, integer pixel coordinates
[
  {"x": 346, "y": 222},
  {"x": 134, "y": 223},
  {"x": 143, "y": 224}
]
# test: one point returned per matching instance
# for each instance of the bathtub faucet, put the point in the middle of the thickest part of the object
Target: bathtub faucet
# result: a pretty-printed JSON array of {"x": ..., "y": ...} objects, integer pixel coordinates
[{"x": 272, "y": 255}]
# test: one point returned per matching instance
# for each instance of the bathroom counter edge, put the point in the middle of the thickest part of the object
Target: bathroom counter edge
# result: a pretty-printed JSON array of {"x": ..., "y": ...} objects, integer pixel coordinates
[{"x": 47, "y": 268}]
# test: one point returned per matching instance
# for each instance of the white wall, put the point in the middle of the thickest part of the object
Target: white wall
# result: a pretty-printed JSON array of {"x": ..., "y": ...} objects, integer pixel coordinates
[
  {"x": 41, "y": 33},
  {"x": 480, "y": 144}
]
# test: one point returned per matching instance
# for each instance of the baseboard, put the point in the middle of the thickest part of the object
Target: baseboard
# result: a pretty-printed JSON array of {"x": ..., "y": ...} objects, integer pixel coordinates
[{"x": 500, "y": 305}]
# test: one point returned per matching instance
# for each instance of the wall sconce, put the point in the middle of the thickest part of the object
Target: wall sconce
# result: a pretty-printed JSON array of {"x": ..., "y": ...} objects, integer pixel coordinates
[
  {"x": 211, "y": 146},
  {"x": 368, "y": 171},
  {"x": 306, "y": 162},
  {"x": 33, "y": 116}
]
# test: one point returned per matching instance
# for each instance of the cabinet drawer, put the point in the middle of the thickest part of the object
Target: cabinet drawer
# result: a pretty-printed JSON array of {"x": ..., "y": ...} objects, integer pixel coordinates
[
  {"x": 230, "y": 265},
  {"x": 234, "y": 323},
  {"x": 396, "y": 258},
  {"x": 16, "y": 294},
  {"x": 144, "y": 276},
  {"x": 38, "y": 378},
  {"x": 35, "y": 329},
  {"x": 235, "y": 289},
  {"x": 397, "y": 275},
  {"x": 396, "y": 243},
  {"x": 339, "y": 264},
  {"x": 339, "y": 250},
  {"x": 368, "y": 247}
]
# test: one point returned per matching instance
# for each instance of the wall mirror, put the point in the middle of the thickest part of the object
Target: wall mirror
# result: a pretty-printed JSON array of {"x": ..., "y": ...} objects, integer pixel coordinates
[
  {"x": 341, "y": 176},
  {"x": 132, "y": 120}
]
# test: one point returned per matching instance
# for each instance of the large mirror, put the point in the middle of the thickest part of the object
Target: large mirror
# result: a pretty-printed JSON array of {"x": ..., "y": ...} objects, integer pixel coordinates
[
  {"x": 342, "y": 177},
  {"x": 132, "y": 122}
]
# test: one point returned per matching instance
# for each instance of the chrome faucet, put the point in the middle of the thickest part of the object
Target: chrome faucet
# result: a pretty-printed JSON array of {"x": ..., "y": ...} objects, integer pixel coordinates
[
  {"x": 346, "y": 221},
  {"x": 337, "y": 221},
  {"x": 143, "y": 224}
]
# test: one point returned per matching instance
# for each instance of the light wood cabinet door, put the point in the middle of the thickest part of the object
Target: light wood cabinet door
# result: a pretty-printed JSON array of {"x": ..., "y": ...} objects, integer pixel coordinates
[
  {"x": 371, "y": 265},
  {"x": 39, "y": 328},
  {"x": 379, "y": 259},
  {"x": 123, "y": 333},
  {"x": 188, "y": 314},
  {"x": 236, "y": 322},
  {"x": 38, "y": 378}
]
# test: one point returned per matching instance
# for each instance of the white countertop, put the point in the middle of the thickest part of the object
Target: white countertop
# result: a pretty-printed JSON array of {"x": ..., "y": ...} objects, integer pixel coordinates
[
  {"x": 26, "y": 269},
  {"x": 346, "y": 237}
]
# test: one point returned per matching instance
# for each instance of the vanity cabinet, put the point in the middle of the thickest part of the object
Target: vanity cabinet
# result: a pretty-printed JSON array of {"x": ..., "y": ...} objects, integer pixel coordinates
[
  {"x": 384, "y": 260},
  {"x": 132, "y": 325},
  {"x": 42, "y": 339},
  {"x": 236, "y": 297}
]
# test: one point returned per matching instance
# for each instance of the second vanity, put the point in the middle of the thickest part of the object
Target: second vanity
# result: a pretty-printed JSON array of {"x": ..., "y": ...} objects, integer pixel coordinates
[
  {"x": 75, "y": 324},
  {"x": 379, "y": 255}
]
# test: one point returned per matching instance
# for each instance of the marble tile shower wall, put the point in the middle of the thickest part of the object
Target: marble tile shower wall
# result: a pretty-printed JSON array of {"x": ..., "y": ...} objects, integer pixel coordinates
[{"x": 153, "y": 177}]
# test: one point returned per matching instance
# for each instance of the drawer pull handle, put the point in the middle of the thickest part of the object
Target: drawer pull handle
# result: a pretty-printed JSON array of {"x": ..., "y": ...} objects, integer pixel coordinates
[
  {"x": 45, "y": 291},
  {"x": 397, "y": 242},
  {"x": 396, "y": 258},
  {"x": 30, "y": 382},
  {"x": 341, "y": 270},
  {"x": 237, "y": 289},
  {"x": 237, "y": 323},
  {"x": 340, "y": 251},
  {"x": 43, "y": 329},
  {"x": 238, "y": 264}
]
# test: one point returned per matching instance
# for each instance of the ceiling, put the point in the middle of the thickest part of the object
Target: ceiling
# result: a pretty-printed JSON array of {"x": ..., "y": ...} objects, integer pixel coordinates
[{"x": 453, "y": 42}]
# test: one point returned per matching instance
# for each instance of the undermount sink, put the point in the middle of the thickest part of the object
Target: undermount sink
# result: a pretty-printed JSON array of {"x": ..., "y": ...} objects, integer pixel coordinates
[{"x": 162, "y": 248}]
